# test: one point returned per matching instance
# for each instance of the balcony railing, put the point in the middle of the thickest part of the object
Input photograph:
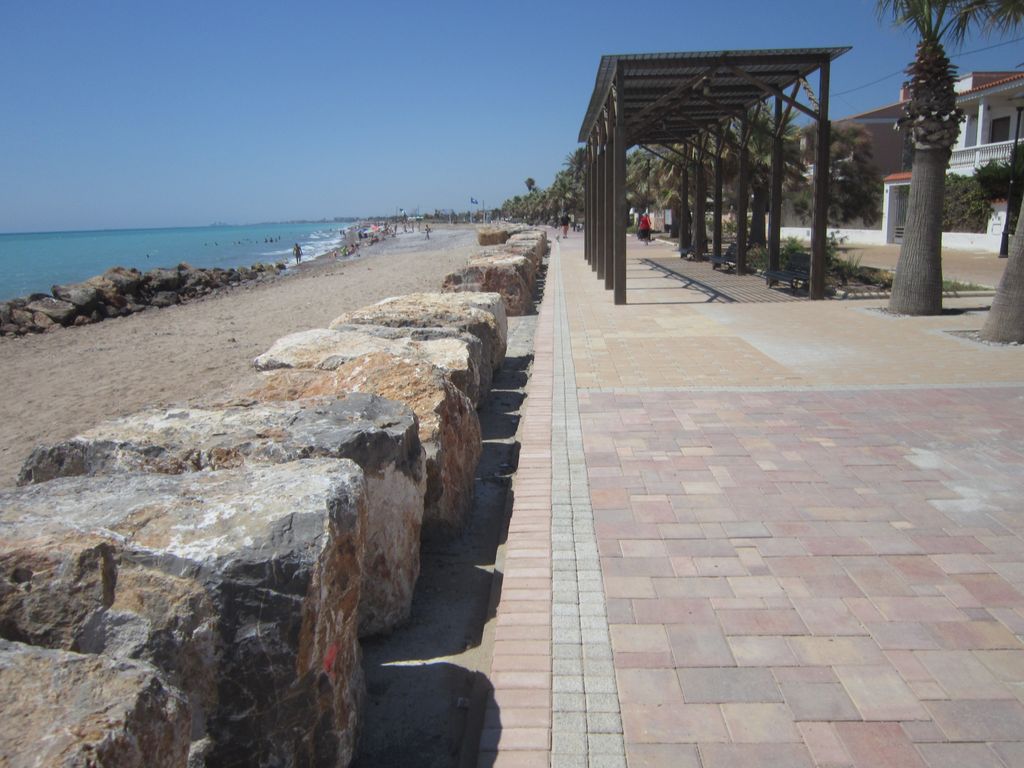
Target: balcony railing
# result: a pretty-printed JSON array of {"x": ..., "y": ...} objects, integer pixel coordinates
[{"x": 972, "y": 158}]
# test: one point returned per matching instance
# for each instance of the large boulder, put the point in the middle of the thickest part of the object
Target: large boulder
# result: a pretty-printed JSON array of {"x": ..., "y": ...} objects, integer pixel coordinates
[
  {"x": 68, "y": 709},
  {"x": 381, "y": 436},
  {"x": 509, "y": 276},
  {"x": 449, "y": 426},
  {"x": 458, "y": 353},
  {"x": 85, "y": 296},
  {"x": 491, "y": 236},
  {"x": 56, "y": 310},
  {"x": 481, "y": 314},
  {"x": 274, "y": 551}
]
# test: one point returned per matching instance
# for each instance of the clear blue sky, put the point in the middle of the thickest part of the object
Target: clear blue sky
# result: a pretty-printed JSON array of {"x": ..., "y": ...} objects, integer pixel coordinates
[{"x": 137, "y": 114}]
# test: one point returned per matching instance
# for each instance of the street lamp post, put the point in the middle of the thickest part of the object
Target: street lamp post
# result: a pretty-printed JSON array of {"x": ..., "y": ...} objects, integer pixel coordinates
[{"x": 1004, "y": 243}]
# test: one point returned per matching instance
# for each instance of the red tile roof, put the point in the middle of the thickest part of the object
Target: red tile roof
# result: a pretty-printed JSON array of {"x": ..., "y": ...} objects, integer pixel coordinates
[
  {"x": 901, "y": 176},
  {"x": 993, "y": 84}
]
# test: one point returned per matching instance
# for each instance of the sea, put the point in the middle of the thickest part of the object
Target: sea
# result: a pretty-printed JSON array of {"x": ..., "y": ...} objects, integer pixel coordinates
[{"x": 33, "y": 262}]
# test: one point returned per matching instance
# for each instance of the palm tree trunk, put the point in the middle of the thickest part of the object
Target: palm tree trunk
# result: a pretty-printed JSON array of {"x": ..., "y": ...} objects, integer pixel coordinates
[
  {"x": 917, "y": 287},
  {"x": 1005, "y": 322}
]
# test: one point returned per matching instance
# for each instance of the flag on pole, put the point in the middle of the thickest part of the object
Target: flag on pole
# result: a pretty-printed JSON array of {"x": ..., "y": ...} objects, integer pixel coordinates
[{"x": 473, "y": 201}]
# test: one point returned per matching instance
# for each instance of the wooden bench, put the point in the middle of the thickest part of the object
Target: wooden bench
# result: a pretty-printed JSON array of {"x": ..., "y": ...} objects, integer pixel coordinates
[
  {"x": 726, "y": 260},
  {"x": 797, "y": 271}
]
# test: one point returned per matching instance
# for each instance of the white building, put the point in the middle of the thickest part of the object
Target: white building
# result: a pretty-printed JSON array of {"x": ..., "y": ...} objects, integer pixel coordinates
[{"x": 990, "y": 101}]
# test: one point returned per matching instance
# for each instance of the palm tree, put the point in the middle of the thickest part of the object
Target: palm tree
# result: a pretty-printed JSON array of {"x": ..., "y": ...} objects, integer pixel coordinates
[
  {"x": 530, "y": 184},
  {"x": 1005, "y": 321},
  {"x": 934, "y": 124}
]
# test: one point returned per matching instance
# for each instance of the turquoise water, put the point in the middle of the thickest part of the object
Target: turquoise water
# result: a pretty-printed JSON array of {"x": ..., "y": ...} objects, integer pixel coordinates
[{"x": 33, "y": 262}]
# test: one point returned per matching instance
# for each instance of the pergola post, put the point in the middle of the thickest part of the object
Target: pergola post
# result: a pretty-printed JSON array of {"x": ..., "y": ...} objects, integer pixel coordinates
[
  {"x": 587, "y": 178},
  {"x": 700, "y": 194},
  {"x": 619, "y": 192},
  {"x": 685, "y": 240},
  {"x": 819, "y": 222},
  {"x": 594, "y": 197},
  {"x": 716, "y": 232},
  {"x": 775, "y": 196},
  {"x": 605, "y": 269},
  {"x": 742, "y": 197}
]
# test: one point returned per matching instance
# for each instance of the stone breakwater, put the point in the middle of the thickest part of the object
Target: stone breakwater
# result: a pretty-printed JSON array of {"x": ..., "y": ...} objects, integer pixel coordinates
[
  {"x": 190, "y": 585},
  {"x": 507, "y": 264},
  {"x": 118, "y": 292}
]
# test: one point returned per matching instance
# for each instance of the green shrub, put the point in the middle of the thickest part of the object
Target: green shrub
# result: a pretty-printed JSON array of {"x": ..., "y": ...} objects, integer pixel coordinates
[{"x": 964, "y": 208}]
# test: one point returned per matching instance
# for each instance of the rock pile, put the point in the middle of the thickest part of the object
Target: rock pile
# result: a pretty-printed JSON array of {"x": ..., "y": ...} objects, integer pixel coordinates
[
  {"x": 117, "y": 292},
  {"x": 189, "y": 585},
  {"x": 508, "y": 267}
]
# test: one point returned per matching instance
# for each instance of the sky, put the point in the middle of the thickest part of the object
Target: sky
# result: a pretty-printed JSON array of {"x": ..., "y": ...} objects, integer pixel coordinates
[{"x": 153, "y": 114}]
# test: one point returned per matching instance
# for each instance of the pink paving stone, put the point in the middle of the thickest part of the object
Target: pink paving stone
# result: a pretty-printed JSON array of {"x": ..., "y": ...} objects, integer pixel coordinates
[
  {"x": 832, "y": 651},
  {"x": 754, "y": 756},
  {"x": 513, "y": 663},
  {"x": 962, "y": 675},
  {"x": 699, "y": 646},
  {"x": 961, "y": 564},
  {"x": 878, "y": 745},
  {"x": 1007, "y": 666},
  {"x": 643, "y": 548},
  {"x": 917, "y": 569},
  {"x": 979, "y": 720},
  {"x": 629, "y": 586},
  {"x": 517, "y": 717},
  {"x": 755, "y": 586},
  {"x": 692, "y": 586},
  {"x": 827, "y": 616},
  {"x": 819, "y": 702},
  {"x": 960, "y": 756},
  {"x": 662, "y": 756},
  {"x": 728, "y": 684},
  {"x": 925, "y": 609},
  {"x": 879, "y": 693},
  {"x": 762, "y": 622},
  {"x": 674, "y": 610},
  {"x": 517, "y": 632},
  {"x": 902, "y": 635},
  {"x": 636, "y": 566},
  {"x": 531, "y": 680},
  {"x": 761, "y": 651},
  {"x": 513, "y": 698},
  {"x": 824, "y": 744},
  {"x": 760, "y": 723},
  {"x": 673, "y": 724},
  {"x": 992, "y": 590},
  {"x": 639, "y": 638},
  {"x": 648, "y": 686},
  {"x": 974, "y": 635},
  {"x": 835, "y": 545},
  {"x": 719, "y": 566}
]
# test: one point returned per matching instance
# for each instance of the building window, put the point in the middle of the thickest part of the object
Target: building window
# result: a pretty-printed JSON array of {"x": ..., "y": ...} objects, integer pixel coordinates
[{"x": 1000, "y": 130}]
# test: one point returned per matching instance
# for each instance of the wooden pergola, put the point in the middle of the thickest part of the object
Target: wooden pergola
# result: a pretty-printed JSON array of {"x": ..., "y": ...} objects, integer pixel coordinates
[{"x": 660, "y": 101}]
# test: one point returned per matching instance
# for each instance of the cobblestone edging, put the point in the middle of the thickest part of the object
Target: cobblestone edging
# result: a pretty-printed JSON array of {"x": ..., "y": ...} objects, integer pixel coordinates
[{"x": 586, "y": 728}]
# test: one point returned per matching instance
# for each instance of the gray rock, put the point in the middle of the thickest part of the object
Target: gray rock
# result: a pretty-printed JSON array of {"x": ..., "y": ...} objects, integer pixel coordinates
[
  {"x": 82, "y": 295},
  {"x": 458, "y": 353},
  {"x": 380, "y": 435},
  {"x": 481, "y": 314},
  {"x": 58, "y": 311},
  {"x": 67, "y": 709},
  {"x": 161, "y": 279},
  {"x": 273, "y": 552},
  {"x": 163, "y": 299}
]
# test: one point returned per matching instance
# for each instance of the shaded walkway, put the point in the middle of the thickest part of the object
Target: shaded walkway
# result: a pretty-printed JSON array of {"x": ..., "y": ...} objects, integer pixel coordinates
[{"x": 809, "y": 533}]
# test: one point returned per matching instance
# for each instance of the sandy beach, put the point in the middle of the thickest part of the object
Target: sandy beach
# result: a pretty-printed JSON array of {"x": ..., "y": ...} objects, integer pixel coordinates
[{"x": 57, "y": 385}]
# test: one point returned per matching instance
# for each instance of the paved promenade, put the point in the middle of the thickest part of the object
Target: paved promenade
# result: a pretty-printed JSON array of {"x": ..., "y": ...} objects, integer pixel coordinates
[{"x": 758, "y": 534}]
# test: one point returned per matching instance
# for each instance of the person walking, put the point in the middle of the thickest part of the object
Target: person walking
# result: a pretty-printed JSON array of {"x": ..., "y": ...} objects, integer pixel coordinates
[
  {"x": 565, "y": 224},
  {"x": 297, "y": 253},
  {"x": 645, "y": 228}
]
